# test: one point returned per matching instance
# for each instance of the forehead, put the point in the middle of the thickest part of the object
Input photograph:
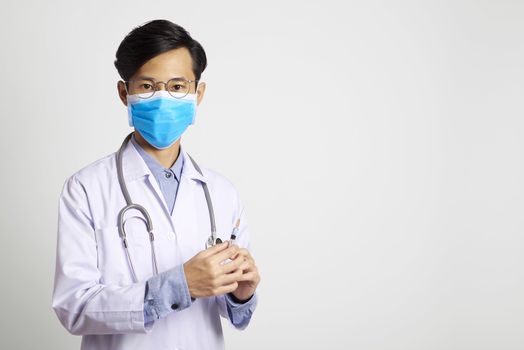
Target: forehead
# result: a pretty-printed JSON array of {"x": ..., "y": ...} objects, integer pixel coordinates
[{"x": 167, "y": 65}]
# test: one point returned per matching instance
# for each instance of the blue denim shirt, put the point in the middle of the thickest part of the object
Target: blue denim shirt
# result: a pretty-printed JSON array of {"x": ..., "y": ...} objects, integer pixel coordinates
[{"x": 168, "y": 291}]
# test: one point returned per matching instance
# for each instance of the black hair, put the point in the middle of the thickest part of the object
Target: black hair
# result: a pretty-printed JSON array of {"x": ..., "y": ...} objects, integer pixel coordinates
[{"x": 150, "y": 40}]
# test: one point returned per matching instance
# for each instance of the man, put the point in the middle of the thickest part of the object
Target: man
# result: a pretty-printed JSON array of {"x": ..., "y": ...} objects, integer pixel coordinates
[{"x": 119, "y": 286}]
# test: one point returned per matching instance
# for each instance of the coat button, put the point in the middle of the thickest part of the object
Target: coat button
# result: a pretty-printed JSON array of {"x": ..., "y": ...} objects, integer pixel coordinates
[{"x": 174, "y": 306}]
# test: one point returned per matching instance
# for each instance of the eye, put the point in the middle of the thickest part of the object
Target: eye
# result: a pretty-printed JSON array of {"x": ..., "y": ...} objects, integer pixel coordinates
[{"x": 146, "y": 86}]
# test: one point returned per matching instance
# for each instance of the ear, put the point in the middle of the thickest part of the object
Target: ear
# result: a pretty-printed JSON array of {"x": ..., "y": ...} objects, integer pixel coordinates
[
  {"x": 201, "y": 89},
  {"x": 122, "y": 92}
]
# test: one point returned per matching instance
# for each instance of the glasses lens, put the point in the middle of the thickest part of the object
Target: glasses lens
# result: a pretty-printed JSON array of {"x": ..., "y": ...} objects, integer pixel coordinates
[
  {"x": 144, "y": 87},
  {"x": 178, "y": 87}
]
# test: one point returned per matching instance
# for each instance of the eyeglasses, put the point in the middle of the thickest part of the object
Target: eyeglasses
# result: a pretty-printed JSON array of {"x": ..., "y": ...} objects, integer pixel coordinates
[{"x": 146, "y": 88}]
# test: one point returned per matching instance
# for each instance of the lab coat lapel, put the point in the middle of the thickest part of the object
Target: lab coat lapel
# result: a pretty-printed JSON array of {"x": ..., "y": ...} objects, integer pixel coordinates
[
  {"x": 188, "y": 203},
  {"x": 184, "y": 217},
  {"x": 136, "y": 168}
]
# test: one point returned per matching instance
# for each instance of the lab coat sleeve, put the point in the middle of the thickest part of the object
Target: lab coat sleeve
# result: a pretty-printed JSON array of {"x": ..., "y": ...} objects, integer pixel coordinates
[
  {"x": 239, "y": 315},
  {"x": 84, "y": 305}
]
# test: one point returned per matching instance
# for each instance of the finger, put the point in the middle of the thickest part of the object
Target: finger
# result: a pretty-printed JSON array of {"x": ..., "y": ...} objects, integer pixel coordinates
[
  {"x": 214, "y": 249},
  {"x": 224, "y": 254},
  {"x": 246, "y": 266},
  {"x": 245, "y": 260},
  {"x": 242, "y": 268},
  {"x": 229, "y": 288},
  {"x": 238, "y": 259},
  {"x": 243, "y": 252},
  {"x": 231, "y": 266},
  {"x": 230, "y": 277},
  {"x": 250, "y": 276}
]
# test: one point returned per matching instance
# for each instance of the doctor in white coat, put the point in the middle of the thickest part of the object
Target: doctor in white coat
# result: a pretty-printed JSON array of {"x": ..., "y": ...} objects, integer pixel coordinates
[{"x": 169, "y": 293}]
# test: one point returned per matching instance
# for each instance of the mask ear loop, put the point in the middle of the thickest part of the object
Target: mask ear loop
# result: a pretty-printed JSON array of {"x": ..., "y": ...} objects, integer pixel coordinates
[
  {"x": 125, "y": 87},
  {"x": 129, "y": 114},
  {"x": 195, "y": 102}
]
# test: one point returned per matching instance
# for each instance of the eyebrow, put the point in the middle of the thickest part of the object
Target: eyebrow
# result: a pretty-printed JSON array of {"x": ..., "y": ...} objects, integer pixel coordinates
[{"x": 143, "y": 77}]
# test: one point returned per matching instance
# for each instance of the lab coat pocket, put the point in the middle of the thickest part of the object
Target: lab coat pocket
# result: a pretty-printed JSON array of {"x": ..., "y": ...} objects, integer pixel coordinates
[{"x": 113, "y": 263}]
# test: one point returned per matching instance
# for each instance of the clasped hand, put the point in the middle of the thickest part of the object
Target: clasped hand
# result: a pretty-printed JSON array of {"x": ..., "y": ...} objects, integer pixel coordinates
[{"x": 210, "y": 273}]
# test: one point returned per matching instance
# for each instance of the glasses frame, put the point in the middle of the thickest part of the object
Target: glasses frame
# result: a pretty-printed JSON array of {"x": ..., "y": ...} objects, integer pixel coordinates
[{"x": 155, "y": 83}]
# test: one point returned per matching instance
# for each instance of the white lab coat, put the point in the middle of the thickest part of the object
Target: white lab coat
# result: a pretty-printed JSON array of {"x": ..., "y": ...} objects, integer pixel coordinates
[{"x": 94, "y": 295}]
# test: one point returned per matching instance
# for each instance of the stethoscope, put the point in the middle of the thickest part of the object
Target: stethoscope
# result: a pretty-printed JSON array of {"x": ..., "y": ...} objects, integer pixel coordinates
[{"x": 211, "y": 241}]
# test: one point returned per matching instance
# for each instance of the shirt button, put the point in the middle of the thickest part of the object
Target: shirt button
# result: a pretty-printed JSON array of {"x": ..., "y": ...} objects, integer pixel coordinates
[
  {"x": 168, "y": 174},
  {"x": 174, "y": 306}
]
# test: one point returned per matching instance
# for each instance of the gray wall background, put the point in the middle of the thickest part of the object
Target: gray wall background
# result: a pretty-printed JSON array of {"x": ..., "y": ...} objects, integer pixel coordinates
[{"x": 377, "y": 144}]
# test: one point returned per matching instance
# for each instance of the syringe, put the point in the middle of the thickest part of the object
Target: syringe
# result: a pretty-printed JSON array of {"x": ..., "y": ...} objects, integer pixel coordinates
[{"x": 234, "y": 232}]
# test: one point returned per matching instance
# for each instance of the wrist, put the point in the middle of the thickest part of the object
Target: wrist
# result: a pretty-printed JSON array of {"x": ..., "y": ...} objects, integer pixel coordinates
[{"x": 237, "y": 300}]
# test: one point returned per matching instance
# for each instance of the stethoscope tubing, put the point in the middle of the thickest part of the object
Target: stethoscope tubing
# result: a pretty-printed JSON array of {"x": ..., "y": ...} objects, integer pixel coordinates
[{"x": 147, "y": 218}]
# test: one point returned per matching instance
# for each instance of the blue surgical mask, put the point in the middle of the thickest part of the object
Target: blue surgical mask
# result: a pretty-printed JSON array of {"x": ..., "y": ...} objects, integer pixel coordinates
[{"x": 162, "y": 118}]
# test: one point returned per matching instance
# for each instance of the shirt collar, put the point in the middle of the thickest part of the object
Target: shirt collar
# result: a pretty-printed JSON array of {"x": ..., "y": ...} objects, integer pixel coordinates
[
  {"x": 154, "y": 165},
  {"x": 135, "y": 166}
]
